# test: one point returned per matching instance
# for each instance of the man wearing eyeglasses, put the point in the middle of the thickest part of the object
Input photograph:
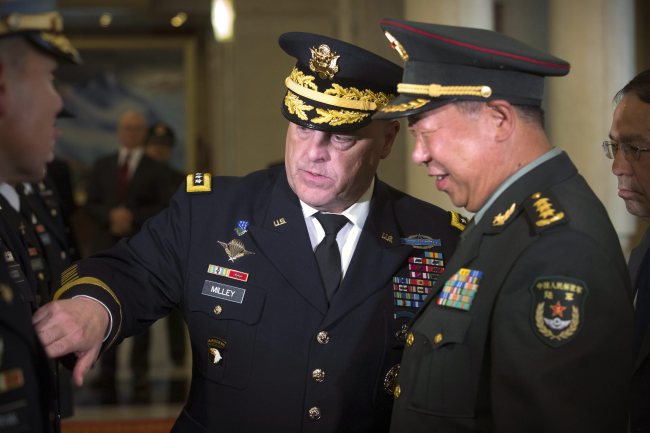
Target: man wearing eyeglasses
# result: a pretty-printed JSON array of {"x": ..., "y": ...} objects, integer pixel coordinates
[{"x": 630, "y": 132}]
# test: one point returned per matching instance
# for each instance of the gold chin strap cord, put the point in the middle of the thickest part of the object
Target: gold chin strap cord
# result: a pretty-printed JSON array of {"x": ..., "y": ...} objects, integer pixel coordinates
[
  {"x": 329, "y": 99},
  {"x": 437, "y": 90},
  {"x": 46, "y": 22}
]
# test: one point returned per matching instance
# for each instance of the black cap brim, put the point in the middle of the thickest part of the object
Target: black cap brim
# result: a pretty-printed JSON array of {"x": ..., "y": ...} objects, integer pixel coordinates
[{"x": 54, "y": 44}]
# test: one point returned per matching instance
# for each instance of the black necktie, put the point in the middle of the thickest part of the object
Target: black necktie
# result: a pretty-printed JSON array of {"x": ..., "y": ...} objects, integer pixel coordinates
[
  {"x": 327, "y": 252},
  {"x": 642, "y": 306}
]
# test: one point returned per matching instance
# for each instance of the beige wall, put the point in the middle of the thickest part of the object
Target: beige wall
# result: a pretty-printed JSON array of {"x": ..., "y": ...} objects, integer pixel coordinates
[
  {"x": 242, "y": 83},
  {"x": 245, "y": 78}
]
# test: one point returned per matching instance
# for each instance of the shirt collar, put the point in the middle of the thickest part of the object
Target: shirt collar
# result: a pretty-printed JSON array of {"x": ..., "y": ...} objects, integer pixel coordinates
[
  {"x": 357, "y": 213},
  {"x": 512, "y": 179},
  {"x": 10, "y": 194},
  {"x": 134, "y": 154}
]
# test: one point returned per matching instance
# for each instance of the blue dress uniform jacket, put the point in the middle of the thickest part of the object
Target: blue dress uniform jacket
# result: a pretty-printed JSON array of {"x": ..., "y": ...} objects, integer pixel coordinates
[
  {"x": 26, "y": 384},
  {"x": 268, "y": 353},
  {"x": 544, "y": 342}
]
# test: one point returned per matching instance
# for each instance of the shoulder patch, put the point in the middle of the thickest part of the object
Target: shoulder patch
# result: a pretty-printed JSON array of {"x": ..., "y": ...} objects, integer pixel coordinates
[
  {"x": 457, "y": 220},
  {"x": 557, "y": 311},
  {"x": 544, "y": 212},
  {"x": 199, "y": 182}
]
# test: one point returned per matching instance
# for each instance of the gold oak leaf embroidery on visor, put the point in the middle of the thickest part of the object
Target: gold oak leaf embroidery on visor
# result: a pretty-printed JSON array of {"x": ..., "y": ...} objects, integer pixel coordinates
[{"x": 296, "y": 106}]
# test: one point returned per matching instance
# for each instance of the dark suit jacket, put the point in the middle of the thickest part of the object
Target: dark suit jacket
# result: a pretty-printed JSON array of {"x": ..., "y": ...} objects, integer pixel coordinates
[
  {"x": 289, "y": 363},
  {"x": 546, "y": 344},
  {"x": 640, "y": 411},
  {"x": 26, "y": 398},
  {"x": 148, "y": 193}
]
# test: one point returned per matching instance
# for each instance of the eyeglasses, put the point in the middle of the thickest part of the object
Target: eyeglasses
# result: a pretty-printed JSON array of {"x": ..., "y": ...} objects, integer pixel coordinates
[{"x": 630, "y": 151}]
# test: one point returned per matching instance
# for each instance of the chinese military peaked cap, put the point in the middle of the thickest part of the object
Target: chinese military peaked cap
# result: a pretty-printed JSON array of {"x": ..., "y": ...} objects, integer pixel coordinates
[
  {"x": 40, "y": 24},
  {"x": 447, "y": 63},
  {"x": 335, "y": 86}
]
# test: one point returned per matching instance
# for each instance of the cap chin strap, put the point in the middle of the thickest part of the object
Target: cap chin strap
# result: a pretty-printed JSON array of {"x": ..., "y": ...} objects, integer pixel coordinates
[
  {"x": 47, "y": 22},
  {"x": 335, "y": 101},
  {"x": 349, "y": 97},
  {"x": 437, "y": 90}
]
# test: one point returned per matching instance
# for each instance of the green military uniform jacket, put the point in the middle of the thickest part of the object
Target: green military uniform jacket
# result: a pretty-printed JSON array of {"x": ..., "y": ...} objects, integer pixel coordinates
[{"x": 529, "y": 329}]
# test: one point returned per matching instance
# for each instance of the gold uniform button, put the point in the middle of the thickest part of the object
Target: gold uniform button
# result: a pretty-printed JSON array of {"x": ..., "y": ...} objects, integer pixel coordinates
[
  {"x": 63, "y": 255},
  {"x": 318, "y": 375},
  {"x": 410, "y": 338},
  {"x": 397, "y": 392},
  {"x": 323, "y": 337},
  {"x": 217, "y": 309},
  {"x": 438, "y": 338},
  {"x": 314, "y": 413}
]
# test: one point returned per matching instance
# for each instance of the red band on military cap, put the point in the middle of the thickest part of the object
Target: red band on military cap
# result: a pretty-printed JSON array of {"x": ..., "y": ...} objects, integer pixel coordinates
[{"x": 476, "y": 48}]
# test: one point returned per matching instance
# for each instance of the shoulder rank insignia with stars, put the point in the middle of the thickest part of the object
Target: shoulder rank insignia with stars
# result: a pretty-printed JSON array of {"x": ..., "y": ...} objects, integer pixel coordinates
[
  {"x": 558, "y": 308},
  {"x": 458, "y": 221},
  {"x": 199, "y": 182},
  {"x": 544, "y": 211}
]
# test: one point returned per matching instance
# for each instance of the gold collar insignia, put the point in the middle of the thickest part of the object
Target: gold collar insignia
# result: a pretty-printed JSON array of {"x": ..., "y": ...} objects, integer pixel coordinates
[{"x": 502, "y": 218}]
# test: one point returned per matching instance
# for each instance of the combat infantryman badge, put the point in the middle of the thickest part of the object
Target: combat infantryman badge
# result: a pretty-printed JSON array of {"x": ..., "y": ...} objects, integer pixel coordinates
[
  {"x": 558, "y": 307},
  {"x": 421, "y": 241}
]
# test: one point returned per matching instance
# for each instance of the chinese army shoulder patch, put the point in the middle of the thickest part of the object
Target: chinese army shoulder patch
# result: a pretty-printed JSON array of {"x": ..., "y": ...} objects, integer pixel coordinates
[{"x": 558, "y": 308}]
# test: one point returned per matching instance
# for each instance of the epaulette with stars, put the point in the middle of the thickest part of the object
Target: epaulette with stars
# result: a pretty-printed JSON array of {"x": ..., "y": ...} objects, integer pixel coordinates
[
  {"x": 199, "y": 182},
  {"x": 457, "y": 220},
  {"x": 544, "y": 211}
]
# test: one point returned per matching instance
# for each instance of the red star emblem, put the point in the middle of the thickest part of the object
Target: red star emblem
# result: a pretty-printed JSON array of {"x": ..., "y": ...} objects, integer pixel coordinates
[{"x": 558, "y": 309}]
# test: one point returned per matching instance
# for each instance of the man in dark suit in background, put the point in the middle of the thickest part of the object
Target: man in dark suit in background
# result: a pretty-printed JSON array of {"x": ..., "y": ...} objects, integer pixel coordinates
[
  {"x": 31, "y": 44},
  {"x": 629, "y": 141},
  {"x": 297, "y": 283},
  {"x": 124, "y": 189},
  {"x": 529, "y": 327}
]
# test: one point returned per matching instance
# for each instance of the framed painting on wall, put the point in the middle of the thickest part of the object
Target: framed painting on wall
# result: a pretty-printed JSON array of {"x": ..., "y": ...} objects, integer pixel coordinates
[{"x": 154, "y": 76}]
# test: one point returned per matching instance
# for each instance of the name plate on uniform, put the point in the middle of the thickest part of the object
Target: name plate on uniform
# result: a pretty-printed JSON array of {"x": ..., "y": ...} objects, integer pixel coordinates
[{"x": 223, "y": 291}]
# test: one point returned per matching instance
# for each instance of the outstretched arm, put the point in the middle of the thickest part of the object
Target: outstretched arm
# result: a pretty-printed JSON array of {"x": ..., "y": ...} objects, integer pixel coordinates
[{"x": 76, "y": 325}]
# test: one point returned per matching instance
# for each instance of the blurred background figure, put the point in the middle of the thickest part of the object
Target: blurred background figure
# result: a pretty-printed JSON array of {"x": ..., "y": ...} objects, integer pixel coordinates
[
  {"x": 124, "y": 189},
  {"x": 161, "y": 140}
]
